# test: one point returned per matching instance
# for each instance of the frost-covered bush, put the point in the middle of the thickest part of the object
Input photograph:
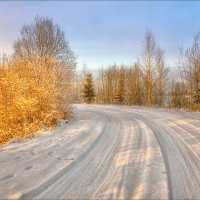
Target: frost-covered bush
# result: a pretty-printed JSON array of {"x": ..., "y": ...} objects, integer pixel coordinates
[
  {"x": 32, "y": 95},
  {"x": 35, "y": 83}
]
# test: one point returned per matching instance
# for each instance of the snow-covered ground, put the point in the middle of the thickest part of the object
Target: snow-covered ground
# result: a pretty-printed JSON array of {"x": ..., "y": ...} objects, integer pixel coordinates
[{"x": 107, "y": 152}]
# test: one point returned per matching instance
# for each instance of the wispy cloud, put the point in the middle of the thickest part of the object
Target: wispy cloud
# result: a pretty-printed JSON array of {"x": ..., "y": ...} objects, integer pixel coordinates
[{"x": 103, "y": 32}]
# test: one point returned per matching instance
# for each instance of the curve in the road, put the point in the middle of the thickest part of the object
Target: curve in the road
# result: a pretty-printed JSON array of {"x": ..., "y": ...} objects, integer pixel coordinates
[{"x": 108, "y": 152}]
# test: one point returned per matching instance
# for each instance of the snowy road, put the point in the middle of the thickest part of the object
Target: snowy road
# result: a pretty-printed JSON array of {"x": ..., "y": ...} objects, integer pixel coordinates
[{"x": 107, "y": 152}]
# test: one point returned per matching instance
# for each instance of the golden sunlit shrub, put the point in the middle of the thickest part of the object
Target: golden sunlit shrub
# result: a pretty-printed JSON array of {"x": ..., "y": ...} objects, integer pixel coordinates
[{"x": 34, "y": 94}]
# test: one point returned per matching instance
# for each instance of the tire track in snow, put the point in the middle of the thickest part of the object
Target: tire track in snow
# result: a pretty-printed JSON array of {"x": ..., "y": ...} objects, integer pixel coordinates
[{"x": 122, "y": 152}]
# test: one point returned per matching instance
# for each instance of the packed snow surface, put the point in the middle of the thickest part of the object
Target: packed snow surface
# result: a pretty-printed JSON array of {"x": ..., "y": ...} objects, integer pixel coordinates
[{"x": 107, "y": 152}]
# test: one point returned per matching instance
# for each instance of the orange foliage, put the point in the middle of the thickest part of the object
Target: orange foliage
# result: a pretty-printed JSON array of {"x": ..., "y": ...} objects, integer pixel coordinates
[{"x": 33, "y": 95}]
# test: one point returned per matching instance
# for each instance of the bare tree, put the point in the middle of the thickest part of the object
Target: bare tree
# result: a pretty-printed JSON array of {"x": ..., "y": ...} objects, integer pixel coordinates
[
  {"x": 133, "y": 85},
  {"x": 189, "y": 68},
  {"x": 176, "y": 94},
  {"x": 161, "y": 78},
  {"x": 120, "y": 94},
  {"x": 192, "y": 71},
  {"x": 44, "y": 39},
  {"x": 148, "y": 59},
  {"x": 100, "y": 86}
]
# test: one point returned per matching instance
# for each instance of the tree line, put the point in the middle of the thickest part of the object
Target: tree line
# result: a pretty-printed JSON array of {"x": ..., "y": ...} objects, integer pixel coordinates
[{"x": 150, "y": 82}]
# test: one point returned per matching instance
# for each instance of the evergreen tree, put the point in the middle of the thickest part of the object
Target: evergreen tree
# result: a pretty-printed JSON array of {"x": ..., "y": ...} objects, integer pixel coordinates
[
  {"x": 119, "y": 98},
  {"x": 88, "y": 89}
]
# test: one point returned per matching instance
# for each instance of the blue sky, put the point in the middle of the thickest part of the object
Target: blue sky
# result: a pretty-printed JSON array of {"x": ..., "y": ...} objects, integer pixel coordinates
[{"x": 103, "y": 32}]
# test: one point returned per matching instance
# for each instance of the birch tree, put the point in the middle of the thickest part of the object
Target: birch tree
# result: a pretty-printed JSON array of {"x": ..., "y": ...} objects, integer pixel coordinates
[
  {"x": 192, "y": 70},
  {"x": 148, "y": 59},
  {"x": 161, "y": 78}
]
